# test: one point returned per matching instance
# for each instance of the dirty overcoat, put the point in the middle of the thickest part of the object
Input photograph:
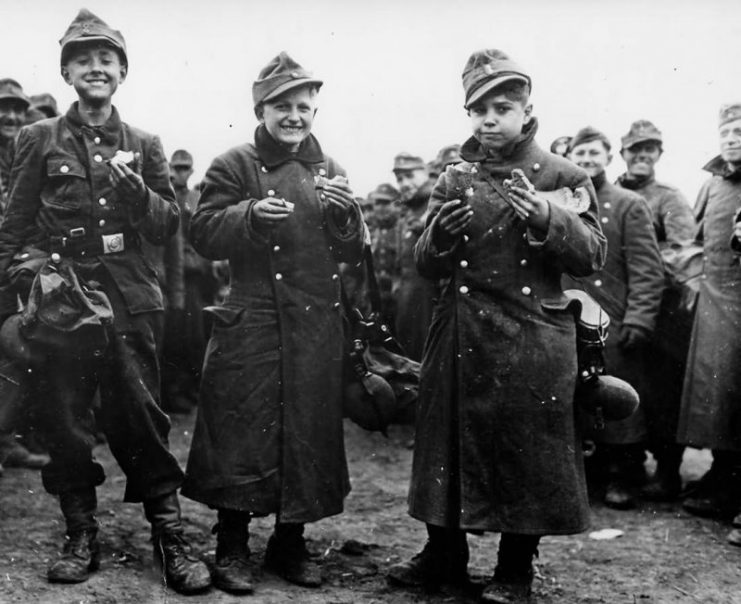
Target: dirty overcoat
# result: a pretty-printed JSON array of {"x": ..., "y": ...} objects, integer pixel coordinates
[
  {"x": 711, "y": 399},
  {"x": 496, "y": 447},
  {"x": 268, "y": 437}
]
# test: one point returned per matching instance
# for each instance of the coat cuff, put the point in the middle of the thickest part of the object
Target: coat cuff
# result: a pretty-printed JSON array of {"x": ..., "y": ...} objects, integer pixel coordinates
[{"x": 251, "y": 233}]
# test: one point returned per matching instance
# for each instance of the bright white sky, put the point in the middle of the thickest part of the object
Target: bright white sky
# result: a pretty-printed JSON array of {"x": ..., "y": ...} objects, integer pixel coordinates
[{"x": 392, "y": 69}]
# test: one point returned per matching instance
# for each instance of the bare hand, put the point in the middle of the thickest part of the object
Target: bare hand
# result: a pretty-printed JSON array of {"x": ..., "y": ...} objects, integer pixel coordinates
[
  {"x": 337, "y": 193},
  {"x": 453, "y": 219},
  {"x": 127, "y": 183},
  {"x": 530, "y": 207},
  {"x": 271, "y": 211}
]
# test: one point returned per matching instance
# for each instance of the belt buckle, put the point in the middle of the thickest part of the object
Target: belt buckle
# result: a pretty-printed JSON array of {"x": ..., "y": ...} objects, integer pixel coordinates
[
  {"x": 113, "y": 243},
  {"x": 77, "y": 232}
]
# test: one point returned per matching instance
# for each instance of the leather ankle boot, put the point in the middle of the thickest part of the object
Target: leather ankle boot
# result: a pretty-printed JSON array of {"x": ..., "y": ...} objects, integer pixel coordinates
[
  {"x": 181, "y": 570},
  {"x": 287, "y": 556},
  {"x": 231, "y": 569},
  {"x": 81, "y": 553}
]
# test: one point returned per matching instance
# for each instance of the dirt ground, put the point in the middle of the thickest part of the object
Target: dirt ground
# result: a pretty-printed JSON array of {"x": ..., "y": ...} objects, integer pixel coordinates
[{"x": 665, "y": 556}]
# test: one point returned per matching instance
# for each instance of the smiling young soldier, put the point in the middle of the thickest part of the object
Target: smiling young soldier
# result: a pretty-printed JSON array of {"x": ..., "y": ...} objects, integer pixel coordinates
[
  {"x": 269, "y": 437},
  {"x": 70, "y": 205},
  {"x": 496, "y": 448},
  {"x": 13, "y": 107},
  {"x": 629, "y": 289}
]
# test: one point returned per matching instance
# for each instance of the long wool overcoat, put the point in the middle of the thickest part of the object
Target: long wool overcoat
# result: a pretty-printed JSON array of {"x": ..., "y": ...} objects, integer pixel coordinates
[
  {"x": 268, "y": 437},
  {"x": 496, "y": 447},
  {"x": 711, "y": 399}
]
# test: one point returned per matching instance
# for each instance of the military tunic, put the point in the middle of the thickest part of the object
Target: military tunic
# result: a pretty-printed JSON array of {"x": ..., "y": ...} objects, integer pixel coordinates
[{"x": 496, "y": 447}]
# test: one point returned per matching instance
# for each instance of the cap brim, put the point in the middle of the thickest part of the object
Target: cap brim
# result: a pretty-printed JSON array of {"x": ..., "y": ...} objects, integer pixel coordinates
[
  {"x": 290, "y": 85},
  {"x": 15, "y": 97},
  {"x": 68, "y": 46},
  {"x": 641, "y": 139},
  {"x": 487, "y": 87}
]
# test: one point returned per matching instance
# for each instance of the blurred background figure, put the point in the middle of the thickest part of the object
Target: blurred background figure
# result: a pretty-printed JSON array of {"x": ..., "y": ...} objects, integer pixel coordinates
[
  {"x": 385, "y": 247},
  {"x": 560, "y": 146}
]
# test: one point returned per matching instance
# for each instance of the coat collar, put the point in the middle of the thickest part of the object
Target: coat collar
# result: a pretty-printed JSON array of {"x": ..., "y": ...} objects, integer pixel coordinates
[
  {"x": 109, "y": 131},
  {"x": 719, "y": 167},
  {"x": 599, "y": 180},
  {"x": 273, "y": 154},
  {"x": 472, "y": 151},
  {"x": 626, "y": 181}
]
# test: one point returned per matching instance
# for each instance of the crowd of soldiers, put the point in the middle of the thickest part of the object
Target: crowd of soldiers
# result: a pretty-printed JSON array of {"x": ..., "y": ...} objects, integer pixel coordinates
[{"x": 475, "y": 315}]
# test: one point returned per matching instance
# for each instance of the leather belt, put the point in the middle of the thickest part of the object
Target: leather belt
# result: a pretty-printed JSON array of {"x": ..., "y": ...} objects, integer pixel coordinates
[{"x": 78, "y": 245}]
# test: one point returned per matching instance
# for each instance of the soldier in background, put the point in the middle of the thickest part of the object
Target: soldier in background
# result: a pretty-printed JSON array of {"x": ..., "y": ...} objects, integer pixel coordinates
[
  {"x": 385, "y": 247},
  {"x": 45, "y": 103},
  {"x": 449, "y": 154},
  {"x": 416, "y": 294},
  {"x": 642, "y": 148},
  {"x": 14, "y": 106}
]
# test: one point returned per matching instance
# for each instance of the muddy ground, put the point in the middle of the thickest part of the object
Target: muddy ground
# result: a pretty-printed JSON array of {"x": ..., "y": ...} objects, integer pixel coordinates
[{"x": 665, "y": 555}]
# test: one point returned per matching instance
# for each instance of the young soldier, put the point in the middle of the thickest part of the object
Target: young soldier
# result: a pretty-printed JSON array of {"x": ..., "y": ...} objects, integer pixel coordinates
[
  {"x": 385, "y": 247},
  {"x": 415, "y": 294},
  {"x": 711, "y": 406},
  {"x": 629, "y": 289},
  {"x": 642, "y": 148},
  {"x": 13, "y": 108},
  {"x": 69, "y": 202},
  {"x": 495, "y": 447},
  {"x": 268, "y": 438}
]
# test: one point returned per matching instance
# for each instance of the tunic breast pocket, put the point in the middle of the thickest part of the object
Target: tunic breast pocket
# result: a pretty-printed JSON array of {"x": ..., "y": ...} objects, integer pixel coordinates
[{"x": 66, "y": 186}]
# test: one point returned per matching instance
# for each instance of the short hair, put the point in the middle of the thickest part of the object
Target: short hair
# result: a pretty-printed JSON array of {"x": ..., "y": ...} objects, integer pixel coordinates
[
  {"x": 313, "y": 90},
  {"x": 514, "y": 90}
]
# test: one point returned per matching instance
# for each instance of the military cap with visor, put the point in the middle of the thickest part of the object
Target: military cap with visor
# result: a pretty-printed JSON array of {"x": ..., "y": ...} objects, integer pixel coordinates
[
  {"x": 278, "y": 77},
  {"x": 487, "y": 69},
  {"x": 587, "y": 135},
  {"x": 383, "y": 193},
  {"x": 181, "y": 158},
  {"x": 640, "y": 132},
  {"x": 405, "y": 161},
  {"x": 86, "y": 28},
  {"x": 729, "y": 113},
  {"x": 11, "y": 89},
  {"x": 45, "y": 103}
]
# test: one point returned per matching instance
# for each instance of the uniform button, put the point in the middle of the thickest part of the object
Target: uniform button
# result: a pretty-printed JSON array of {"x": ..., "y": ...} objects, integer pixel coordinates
[
  {"x": 271, "y": 193},
  {"x": 56, "y": 257},
  {"x": 64, "y": 169},
  {"x": 24, "y": 255},
  {"x": 336, "y": 305},
  {"x": 463, "y": 289},
  {"x": 278, "y": 276},
  {"x": 607, "y": 205},
  {"x": 276, "y": 248},
  {"x": 96, "y": 140},
  {"x": 294, "y": 74},
  {"x": 101, "y": 223},
  {"x": 263, "y": 169},
  {"x": 524, "y": 235},
  {"x": 322, "y": 172},
  {"x": 523, "y": 262},
  {"x": 98, "y": 157},
  {"x": 102, "y": 201},
  {"x": 464, "y": 263},
  {"x": 536, "y": 167},
  {"x": 335, "y": 277},
  {"x": 598, "y": 282},
  {"x": 605, "y": 220},
  {"x": 323, "y": 196},
  {"x": 526, "y": 291},
  {"x": 466, "y": 237}
]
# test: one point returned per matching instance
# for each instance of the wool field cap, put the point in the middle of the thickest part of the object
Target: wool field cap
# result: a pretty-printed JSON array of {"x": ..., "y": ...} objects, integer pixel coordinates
[
  {"x": 11, "y": 89},
  {"x": 406, "y": 161},
  {"x": 728, "y": 113},
  {"x": 641, "y": 131},
  {"x": 587, "y": 135},
  {"x": 487, "y": 69},
  {"x": 87, "y": 27},
  {"x": 384, "y": 192},
  {"x": 450, "y": 154},
  {"x": 281, "y": 75},
  {"x": 45, "y": 103},
  {"x": 181, "y": 158}
]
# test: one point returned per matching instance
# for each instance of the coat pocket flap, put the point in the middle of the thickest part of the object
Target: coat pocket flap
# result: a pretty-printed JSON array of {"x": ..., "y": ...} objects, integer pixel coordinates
[
  {"x": 64, "y": 166},
  {"x": 223, "y": 316}
]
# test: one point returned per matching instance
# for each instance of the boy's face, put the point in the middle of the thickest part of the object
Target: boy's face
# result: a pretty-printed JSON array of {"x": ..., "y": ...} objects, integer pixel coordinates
[
  {"x": 95, "y": 71},
  {"x": 592, "y": 157},
  {"x": 382, "y": 209},
  {"x": 289, "y": 118},
  {"x": 12, "y": 118},
  {"x": 641, "y": 158},
  {"x": 730, "y": 142},
  {"x": 410, "y": 181},
  {"x": 179, "y": 175},
  {"x": 497, "y": 120}
]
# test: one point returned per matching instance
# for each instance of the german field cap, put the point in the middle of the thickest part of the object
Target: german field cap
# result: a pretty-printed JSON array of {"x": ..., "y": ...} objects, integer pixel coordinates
[
  {"x": 384, "y": 192},
  {"x": 45, "y": 103},
  {"x": 641, "y": 131},
  {"x": 728, "y": 113},
  {"x": 406, "y": 161},
  {"x": 589, "y": 134},
  {"x": 181, "y": 158},
  {"x": 87, "y": 27},
  {"x": 281, "y": 75},
  {"x": 450, "y": 154},
  {"x": 11, "y": 89},
  {"x": 487, "y": 69}
]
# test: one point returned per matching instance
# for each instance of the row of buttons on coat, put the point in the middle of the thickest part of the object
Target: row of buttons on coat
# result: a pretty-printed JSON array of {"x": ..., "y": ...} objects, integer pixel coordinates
[{"x": 526, "y": 291}]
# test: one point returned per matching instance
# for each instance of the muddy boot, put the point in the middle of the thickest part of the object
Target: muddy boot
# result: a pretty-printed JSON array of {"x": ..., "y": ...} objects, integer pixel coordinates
[
  {"x": 81, "y": 553},
  {"x": 513, "y": 577},
  {"x": 181, "y": 571},
  {"x": 666, "y": 483},
  {"x": 287, "y": 556},
  {"x": 444, "y": 559},
  {"x": 231, "y": 570},
  {"x": 717, "y": 493}
]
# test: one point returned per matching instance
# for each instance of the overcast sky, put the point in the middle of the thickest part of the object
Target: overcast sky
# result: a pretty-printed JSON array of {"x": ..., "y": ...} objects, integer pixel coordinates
[{"x": 392, "y": 69}]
